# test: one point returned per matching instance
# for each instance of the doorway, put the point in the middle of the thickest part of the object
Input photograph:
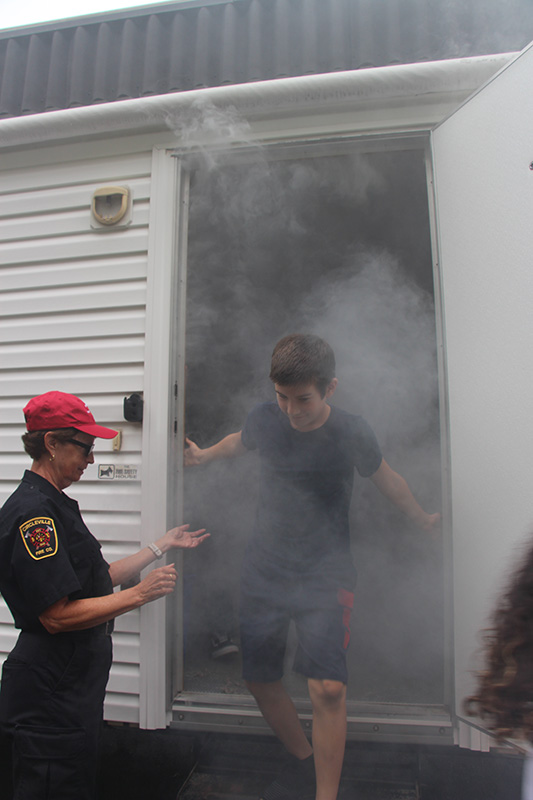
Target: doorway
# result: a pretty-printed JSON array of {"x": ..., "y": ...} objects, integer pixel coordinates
[{"x": 337, "y": 244}]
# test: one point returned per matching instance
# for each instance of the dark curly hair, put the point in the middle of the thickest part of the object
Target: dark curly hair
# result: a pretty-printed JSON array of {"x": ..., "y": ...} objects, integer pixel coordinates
[{"x": 504, "y": 696}]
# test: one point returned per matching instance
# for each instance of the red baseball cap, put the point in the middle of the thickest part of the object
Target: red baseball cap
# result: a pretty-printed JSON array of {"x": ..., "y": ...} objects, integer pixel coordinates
[{"x": 54, "y": 410}]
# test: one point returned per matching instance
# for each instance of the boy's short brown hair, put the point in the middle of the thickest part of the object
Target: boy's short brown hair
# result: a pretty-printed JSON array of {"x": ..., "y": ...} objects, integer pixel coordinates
[{"x": 302, "y": 358}]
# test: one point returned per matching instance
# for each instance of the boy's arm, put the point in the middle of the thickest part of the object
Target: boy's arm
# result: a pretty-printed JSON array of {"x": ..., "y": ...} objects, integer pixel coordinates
[
  {"x": 397, "y": 491},
  {"x": 229, "y": 447}
]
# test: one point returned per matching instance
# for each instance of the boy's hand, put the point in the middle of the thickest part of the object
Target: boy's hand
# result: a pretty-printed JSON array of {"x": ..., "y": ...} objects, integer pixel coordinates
[
  {"x": 192, "y": 456},
  {"x": 431, "y": 524}
]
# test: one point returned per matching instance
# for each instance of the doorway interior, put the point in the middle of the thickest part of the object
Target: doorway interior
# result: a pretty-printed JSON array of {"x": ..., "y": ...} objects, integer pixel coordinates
[{"x": 333, "y": 241}]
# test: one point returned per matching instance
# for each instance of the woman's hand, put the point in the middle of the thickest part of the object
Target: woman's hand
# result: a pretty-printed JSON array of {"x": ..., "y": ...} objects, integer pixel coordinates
[
  {"x": 123, "y": 570},
  {"x": 77, "y": 615},
  {"x": 181, "y": 537},
  {"x": 158, "y": 583}
]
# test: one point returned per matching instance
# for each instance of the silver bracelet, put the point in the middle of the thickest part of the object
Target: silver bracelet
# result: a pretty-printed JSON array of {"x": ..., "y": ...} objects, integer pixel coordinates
[{"x": 155, "y": 550}]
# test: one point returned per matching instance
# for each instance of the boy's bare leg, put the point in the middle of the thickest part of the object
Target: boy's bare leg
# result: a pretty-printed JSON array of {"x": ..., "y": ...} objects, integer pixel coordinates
[
  {"x": 329, "y": 734},
  {"x": 278, "y": 709}
]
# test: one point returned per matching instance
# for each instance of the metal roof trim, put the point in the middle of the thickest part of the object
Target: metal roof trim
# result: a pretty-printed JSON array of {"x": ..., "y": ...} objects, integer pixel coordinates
[
  {"x": 292, "y": 97},
  {"x": 107, "y": 16}
]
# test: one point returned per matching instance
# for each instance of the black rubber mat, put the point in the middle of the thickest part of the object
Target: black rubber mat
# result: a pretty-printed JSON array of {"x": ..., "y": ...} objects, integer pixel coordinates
[
  {"x": 202, "y": 786},
  {"x": 239, "y": 769}
]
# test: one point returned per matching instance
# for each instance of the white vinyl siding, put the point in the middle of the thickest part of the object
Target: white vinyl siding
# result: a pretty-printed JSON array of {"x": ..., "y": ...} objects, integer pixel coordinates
[{"x": 72, "y": 318}]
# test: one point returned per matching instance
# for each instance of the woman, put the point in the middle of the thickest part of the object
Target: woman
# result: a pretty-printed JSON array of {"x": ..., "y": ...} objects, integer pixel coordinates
[
  {"x": 504, "y": 695},
  {"x": 60, "y": 592}
]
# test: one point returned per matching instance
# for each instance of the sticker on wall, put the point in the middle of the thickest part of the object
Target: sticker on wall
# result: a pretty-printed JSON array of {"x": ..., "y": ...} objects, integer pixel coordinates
[{"x": 117, "y": 472}]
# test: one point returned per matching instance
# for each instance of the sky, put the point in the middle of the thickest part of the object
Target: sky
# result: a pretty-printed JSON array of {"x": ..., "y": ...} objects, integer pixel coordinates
[{"x": 32, "y": 12}]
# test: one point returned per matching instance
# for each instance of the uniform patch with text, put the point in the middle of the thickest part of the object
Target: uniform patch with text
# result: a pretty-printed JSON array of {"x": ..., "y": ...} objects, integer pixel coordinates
[{"x": 39, "y": 537}]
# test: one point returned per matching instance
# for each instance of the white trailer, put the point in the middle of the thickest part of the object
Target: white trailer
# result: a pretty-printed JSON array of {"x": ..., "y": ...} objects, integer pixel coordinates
[{"x": 100, "y": 311}]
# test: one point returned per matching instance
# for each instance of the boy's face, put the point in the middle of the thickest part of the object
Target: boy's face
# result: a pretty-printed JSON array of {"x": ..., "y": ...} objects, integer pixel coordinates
[{"x": 304, "y": 405}]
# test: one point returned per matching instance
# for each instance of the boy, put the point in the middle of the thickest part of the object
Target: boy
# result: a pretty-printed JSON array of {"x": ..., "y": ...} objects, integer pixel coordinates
[{"x": 298, "y": 564}]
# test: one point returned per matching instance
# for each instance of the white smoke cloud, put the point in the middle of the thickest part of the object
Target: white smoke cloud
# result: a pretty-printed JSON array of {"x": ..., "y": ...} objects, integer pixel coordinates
[
  {"x": 208, "y": 131},
  {"x": 337, "y": 246}
]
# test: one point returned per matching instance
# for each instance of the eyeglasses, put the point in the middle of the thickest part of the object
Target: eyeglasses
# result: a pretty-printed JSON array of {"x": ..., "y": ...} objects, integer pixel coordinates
[{"x": 87, "y": 447}]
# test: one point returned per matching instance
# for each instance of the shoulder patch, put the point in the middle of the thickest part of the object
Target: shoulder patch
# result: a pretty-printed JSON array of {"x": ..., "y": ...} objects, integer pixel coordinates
[{"x": 39, "y": 537}]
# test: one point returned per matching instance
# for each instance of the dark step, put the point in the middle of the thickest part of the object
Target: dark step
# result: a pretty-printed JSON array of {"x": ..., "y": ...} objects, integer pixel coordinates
[{"x": 239, "y": 768}]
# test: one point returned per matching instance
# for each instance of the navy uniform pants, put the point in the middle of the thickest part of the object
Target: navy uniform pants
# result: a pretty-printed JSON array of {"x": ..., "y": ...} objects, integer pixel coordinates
[{"x": 51, "y": 708}]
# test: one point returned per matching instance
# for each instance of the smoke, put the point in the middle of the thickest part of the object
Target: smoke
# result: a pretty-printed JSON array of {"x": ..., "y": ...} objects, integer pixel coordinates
[
  {"x": 208, "y": 131},
  {"x": 381, "y": 326},
  {"x": 338, "y": 246},
  {"x": 460, "y": 31}
]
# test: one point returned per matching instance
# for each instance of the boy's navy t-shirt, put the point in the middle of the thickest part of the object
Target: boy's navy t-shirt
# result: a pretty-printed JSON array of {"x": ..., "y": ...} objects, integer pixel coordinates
[{"x": 306, "y": 484}]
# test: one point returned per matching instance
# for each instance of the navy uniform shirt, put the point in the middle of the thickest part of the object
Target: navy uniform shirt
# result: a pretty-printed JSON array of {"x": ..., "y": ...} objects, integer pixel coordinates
[
  {"x": 306, "y": 484},
  {"x": 46, "y": 552}
]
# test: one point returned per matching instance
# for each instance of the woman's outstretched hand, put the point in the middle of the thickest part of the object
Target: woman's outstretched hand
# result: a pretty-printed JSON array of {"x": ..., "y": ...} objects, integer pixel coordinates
[{"x": 181, "y": 537}]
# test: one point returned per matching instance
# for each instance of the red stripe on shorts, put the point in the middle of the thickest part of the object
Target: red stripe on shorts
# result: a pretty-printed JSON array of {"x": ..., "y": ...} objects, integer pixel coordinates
[{"x": 345, "y": 599}]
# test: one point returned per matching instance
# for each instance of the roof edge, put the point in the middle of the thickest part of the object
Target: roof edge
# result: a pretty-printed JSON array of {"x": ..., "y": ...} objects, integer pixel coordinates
[
  {"x": 312, "y": 94},
  {"x": 107, "y": 16}
]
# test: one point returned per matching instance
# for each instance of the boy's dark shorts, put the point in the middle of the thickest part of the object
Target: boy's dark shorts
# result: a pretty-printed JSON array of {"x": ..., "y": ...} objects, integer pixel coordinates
[{"x": 319, "y": 601}]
